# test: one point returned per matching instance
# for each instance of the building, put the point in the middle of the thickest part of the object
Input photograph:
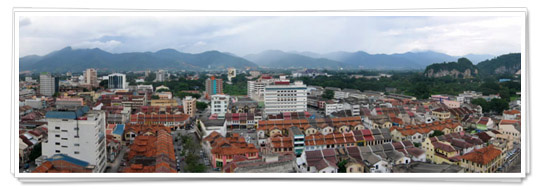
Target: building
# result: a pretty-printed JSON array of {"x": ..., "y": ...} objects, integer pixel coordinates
[
  {"x": 117, "y": 81},
  {"x": 231, "y": 73},
  {"x": 484, "y": 160},
  {"x": 219, "y": 105},
  {"x": 331, "y": 107},
  {"x": 173, "y": 121},
  {"x": 61, "y": 163},
  {"x": 77, "y": 133},
  {"x": 213, "y": 86},
  {"x": 163, "y": 102},
  {"x": 298, "y": 139},
  {"x": 224, "y": 149},
  {"x": 68, "y": 103},
  {"x": 161, "y": 76},
  {"x": 48, "y": 85},
  {"x": 90, "y": 77},
  {"x": 285, "y": 97},
  {"x": 153, "y": 153},
  {"x": 256, "y": 88},
  {"x": 190, "y": 105}
]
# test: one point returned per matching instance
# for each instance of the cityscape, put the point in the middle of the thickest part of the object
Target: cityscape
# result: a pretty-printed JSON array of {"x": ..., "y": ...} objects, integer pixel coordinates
[{"x": 173, "y": 110}]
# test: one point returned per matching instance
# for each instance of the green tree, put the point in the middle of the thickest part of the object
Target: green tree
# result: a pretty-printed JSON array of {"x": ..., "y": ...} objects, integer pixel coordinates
[
  {"x": 155, "y": 97},
  {"x": 436, "y": 133},
  {"x": 201, "y": 106},
  {"x": 342, "y": 166},
  {"x": 328, "y": 94},
  {"x": 498, "y": 105},
  {"x": 35, "y": 153}
]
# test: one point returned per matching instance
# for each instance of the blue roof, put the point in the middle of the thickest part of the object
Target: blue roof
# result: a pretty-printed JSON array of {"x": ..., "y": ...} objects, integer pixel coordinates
[
  {"x": 68, "y": 159},
  {"x": 119, "y": 130},
  {"x": 68, "y": 114}
]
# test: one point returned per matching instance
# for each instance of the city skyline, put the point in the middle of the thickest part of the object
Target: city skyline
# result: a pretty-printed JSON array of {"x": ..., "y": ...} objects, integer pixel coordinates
[{"x": 456, "y": 36}]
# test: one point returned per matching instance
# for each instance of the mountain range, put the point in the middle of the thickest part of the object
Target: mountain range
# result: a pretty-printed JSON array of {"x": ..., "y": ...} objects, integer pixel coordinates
[{"x": 76, "y": 60}]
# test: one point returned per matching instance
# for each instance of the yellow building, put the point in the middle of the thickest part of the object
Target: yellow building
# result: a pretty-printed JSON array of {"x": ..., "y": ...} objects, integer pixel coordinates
[
  {"x": 163, "y": 102},
  {"x": 440, "y": 152},
  {"x": 484, "y": 160}
]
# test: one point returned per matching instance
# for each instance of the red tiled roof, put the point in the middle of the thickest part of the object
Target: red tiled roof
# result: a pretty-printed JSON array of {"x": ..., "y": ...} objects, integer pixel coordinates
[{"x": 483, "y": 156}]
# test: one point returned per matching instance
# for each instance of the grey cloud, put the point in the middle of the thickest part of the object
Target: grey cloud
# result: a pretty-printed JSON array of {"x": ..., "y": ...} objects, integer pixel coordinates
[{"x": 245, "y": 35}]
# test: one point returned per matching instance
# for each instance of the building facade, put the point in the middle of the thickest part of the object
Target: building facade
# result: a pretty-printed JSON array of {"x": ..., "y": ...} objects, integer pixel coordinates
[
  {"x": 48, "y": 85},
  {"x": 219, "y": 105},
  {"x": 213, "y": 86},
  {"x": 117, "y": 81},
  {"x": 79, "y": 134},
  {"x": 285, "y": 97}
]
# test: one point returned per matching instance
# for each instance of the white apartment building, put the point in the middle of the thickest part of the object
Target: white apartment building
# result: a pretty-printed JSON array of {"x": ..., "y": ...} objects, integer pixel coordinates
[
  {"x": 332, "y": 107},
  {"x": 219, "y": 104},
  {"x": 256, "y": 88},
  {"x": 79, "y": 133},
  {"x": 341, "y": 94},
  {"x": 285, "y": 97}
]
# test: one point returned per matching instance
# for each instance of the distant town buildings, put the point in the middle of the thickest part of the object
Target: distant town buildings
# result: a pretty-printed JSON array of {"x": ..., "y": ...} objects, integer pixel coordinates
[
  {"x": 48, "y": 85},
  {"x": 117, "y": 81},
  {"x": 213, "y": 86},
  {"x": 90, "y": 77}
]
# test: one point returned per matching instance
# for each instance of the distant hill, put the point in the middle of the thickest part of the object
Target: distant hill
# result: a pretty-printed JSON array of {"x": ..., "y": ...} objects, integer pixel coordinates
[
  {"x": 463, "y": 68},
  {"x": 76, "y": 60},
  {"x": 280, "y": 59},
  {"x": 504, "y": 64},
  {"x": 402, "y": 61}
]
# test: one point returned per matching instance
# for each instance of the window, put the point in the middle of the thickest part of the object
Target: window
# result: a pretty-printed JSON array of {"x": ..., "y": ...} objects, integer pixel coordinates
[
  {"x": 76, "y": 152},
  {"x": 76, "y": 144},
  {"x": 57, "y": 151},
  {"x": 57, "y": 135},
  {"x": 57, "y": 128}
]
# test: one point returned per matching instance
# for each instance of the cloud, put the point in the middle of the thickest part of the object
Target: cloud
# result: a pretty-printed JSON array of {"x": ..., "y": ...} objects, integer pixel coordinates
[
  {"x": 244, "y": 35},
  {"x": 24, "y": 21},
  {"x": 107, "y": 45}
]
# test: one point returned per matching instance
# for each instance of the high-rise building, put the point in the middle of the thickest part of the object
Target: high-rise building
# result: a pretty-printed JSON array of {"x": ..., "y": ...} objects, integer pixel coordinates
[
  {"x": 256, "y": 88},
  {"x": 190, "y": 105},
  {"x": 48, "y": 85},
  {"x": 117, "y": 81},
  {"x": 219, "y": 104},
  {"x": 78, "y": 133},
  {"x": 283, "y": 96},
  {"x": 161, "y": 76},
  {"x": 90, "y": 77},
  {"x": 213, "y": 86}
]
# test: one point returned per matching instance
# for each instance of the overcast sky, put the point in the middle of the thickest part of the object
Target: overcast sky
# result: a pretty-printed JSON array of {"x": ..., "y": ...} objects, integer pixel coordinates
[{"x": 455, "y": 36}]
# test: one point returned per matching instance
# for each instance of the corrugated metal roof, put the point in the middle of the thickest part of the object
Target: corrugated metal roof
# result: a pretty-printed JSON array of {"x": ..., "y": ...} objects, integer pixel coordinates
[
  {"x": 119, "y": 130},
  {"x": 68, "y": 114},
  {"x": 68, "y": 159}
]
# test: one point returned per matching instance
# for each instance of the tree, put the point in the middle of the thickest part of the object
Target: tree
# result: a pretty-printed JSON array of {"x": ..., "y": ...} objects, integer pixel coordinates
[
  {"x": 201, "y": 106},
  {"x": 155, "y": 97},
  {"x": 482, "y": 103},
  {"x": 342, "y": 166},
  {"x": 328, "y": 94},
  {"x": 436, "y": 133},
  {"x": 498, "y": 105}
]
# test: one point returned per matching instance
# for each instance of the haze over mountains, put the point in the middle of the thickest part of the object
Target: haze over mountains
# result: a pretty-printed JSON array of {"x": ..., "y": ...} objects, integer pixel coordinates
[{"x": 76, "y": 60}]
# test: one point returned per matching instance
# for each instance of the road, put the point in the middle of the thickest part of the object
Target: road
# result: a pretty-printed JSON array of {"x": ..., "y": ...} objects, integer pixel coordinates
[{"x": 115, "y": 165}]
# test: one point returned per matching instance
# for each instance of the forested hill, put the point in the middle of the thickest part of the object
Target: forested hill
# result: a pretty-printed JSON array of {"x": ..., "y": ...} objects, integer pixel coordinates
[
  {"x": 504, "y": 64},
  {"x": 463, "y": 68}
]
